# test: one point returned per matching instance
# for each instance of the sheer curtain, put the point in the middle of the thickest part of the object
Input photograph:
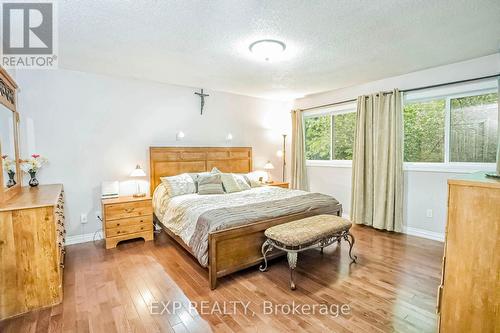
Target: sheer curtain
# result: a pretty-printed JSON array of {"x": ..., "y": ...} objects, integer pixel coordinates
[
  {"x": 377, "y": 173},
  {"x": 299, "y": 172}
]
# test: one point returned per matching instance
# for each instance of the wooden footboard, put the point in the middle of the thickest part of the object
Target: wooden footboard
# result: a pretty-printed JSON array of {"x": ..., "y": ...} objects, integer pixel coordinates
[{"x": 234, "y": 249}]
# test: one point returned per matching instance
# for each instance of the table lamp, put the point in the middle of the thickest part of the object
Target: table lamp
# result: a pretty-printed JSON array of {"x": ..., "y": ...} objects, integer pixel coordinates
[
  {"x": 137, "y": 173},
  {"x": 268, "y": 167}
]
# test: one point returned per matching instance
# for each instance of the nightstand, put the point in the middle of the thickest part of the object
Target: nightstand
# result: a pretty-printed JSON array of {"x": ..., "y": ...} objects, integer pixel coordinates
[
  {"x": 127, "y": 218},
  {"x": 278, "y": 184}
]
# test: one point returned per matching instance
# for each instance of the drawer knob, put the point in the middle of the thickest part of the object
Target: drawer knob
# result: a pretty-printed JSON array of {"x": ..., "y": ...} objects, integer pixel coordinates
[
  {"x": 142, "y": 228},
  {"x": 129, "y": 210},
  {"x": 118, "y": 224},
  {"x": 2, "y": 242},
  {"x": 118, "y": 232},
  {"x": 142, "y": 221}
]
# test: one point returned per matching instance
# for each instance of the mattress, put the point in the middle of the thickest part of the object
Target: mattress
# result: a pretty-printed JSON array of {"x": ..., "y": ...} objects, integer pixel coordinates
[{"x": 192, "y": 217}]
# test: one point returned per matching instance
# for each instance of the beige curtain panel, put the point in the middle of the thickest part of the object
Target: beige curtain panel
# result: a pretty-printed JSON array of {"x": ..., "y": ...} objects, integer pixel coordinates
[
  {"x": 299, "y": 172},
  {"x": 377, "y": 173}
]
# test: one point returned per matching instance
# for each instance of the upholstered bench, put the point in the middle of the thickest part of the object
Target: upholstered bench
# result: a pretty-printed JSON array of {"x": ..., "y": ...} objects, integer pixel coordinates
[{"x": 311, "y": 232}]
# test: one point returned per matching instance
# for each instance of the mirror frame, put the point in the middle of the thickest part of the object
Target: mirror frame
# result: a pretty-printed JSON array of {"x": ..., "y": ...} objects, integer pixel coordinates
[{"x": 8, "y": 98}]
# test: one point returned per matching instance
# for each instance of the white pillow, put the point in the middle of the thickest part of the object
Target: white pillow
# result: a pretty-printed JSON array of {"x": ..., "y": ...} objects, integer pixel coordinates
[
  {"x": 179, "y": 185},
  {"x": 230, "y": 183},
  {"x": 242, "y": 182}
]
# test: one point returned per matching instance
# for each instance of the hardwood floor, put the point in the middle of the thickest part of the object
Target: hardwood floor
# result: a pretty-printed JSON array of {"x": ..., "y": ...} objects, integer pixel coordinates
[{"x": 391, "y": 288}]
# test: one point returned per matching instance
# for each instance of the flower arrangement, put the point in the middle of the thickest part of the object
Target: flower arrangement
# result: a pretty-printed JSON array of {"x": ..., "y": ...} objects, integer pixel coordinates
[
  {"x": 31, "y": 166},
  {"x": 9, "y": 165}
]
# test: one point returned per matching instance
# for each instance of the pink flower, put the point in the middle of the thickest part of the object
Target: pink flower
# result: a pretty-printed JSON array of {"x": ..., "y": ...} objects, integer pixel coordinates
[{"x": 35, "y": 156}]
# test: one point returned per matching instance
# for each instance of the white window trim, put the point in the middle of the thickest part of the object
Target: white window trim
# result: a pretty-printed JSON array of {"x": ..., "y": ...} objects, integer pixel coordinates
[
  {"x": 409, "y": 166},
  {"x": 329, "y": 163},
  {"x": 451, "y": 167}
]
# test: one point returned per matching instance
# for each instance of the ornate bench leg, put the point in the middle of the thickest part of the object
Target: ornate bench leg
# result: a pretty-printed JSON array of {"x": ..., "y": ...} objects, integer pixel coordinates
[
  {"x": 292, "y": 262},
  {"x": 350, "y": 239},
  {"x": 265, "y": 250}
]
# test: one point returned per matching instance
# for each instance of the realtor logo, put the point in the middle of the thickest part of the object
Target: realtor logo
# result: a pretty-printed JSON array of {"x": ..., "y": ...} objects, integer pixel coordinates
[{"x": 28, "y": 32}]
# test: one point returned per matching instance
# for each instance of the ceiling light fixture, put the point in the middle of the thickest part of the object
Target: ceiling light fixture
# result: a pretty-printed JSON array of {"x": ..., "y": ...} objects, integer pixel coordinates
[{"x": 267, "y": 49}]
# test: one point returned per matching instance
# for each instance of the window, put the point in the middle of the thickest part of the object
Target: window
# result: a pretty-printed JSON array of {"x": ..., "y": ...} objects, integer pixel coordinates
[
  {"x": 473, "y": 128},
  {"x": 424, "y": 131},
  {"x": 329, "y": 134},
  {"x": 453, "y": 125}
]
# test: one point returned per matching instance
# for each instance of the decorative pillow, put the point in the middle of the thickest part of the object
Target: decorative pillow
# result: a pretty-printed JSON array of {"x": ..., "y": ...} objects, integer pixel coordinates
[
  {"x": 179, "y": 185},
  {"x": 242, "y": 182},
  {"x": 211, "y": 184},
  {"x": 229, "y": 182}
]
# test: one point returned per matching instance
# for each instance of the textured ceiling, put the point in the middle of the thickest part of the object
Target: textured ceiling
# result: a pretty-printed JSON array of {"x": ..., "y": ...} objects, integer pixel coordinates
[{"x": 330, "y": 44}]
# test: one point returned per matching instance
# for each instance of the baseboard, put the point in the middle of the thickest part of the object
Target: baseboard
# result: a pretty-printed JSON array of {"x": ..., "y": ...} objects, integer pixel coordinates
[
  {"x": 417, "y": 232},
  {"x": 424, "y": 233},
  {"x": 77, "y": 239}
]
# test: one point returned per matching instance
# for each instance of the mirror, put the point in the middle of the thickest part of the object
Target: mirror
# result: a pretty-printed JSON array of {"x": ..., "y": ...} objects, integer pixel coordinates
[
  {"x": 10, "y": 179},
  {"x": 8, "y": 147}
]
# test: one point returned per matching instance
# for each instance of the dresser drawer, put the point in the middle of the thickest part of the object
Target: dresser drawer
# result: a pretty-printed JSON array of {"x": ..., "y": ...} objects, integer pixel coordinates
[
  {"x": 128, "y": 209},
  {"x": 142, "y": 220},
  {"x": 113, "y": 232}
]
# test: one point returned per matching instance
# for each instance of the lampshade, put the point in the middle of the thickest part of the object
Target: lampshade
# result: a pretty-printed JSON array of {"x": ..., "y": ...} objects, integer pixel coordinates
[
  {"x": 268, "y": 166},
  {"x": 138, "y": 172}
]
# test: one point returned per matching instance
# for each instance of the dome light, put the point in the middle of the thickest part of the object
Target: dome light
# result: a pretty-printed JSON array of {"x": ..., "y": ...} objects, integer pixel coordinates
[{"x": 267, "y": 49}]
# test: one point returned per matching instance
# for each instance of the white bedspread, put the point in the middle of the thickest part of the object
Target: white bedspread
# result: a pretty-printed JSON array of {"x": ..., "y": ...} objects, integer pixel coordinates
[{"x": 180, "y": 213}]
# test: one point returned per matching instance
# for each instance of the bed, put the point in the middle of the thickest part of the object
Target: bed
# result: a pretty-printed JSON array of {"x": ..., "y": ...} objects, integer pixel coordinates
[{"x": 225, "y": 232}]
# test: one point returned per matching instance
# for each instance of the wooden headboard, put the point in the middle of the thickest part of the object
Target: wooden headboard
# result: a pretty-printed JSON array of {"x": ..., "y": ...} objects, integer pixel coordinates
[{"x": 171, "y": 161}]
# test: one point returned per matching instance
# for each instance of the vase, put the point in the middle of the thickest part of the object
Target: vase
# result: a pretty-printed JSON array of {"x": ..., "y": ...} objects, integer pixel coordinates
[
  {"x": 11, "y": 182},
  {"x": 33, "y": 181}
]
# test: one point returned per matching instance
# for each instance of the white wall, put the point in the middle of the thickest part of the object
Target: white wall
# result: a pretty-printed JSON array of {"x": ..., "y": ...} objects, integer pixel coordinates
[
  {"x": 423, "y": 190},
  {"x": 94, "y": 128}
]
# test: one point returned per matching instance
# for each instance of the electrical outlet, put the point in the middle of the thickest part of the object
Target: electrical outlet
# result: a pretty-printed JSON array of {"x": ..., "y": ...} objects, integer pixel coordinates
[
  {"x": 428, "y": 213},
  {"x": 83, "y": 218}
]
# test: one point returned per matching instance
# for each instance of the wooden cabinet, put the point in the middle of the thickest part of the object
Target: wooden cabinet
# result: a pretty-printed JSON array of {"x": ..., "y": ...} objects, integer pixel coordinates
[
  {"x": 468, "y": 298},
  {"x": 31, "y": 250},
  {"x": 127, "y": 218},
  {"x": 278, "y": 184}
]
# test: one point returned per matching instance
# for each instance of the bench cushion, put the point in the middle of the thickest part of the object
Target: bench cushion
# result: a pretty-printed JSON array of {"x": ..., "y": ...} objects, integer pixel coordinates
[{"x": 307, "y": 231}]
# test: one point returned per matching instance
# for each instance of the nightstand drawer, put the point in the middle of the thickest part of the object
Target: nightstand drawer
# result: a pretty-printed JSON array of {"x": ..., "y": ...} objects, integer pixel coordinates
[
  {"x": 128, "y": 229},
  {"x": 148, "y": 219},
  {"x": 128, "y": 209}
]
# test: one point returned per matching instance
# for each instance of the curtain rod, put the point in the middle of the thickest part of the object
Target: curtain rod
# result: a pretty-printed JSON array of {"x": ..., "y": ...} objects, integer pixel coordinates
[{"x": 407, "y": 90}]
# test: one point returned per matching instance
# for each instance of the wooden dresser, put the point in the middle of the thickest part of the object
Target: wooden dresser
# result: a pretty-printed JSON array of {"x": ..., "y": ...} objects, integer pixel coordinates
[
  {"x": 127, "y": 218},
  {"x": 469, "y": 294},
  {"x": 31, "y": 250}
]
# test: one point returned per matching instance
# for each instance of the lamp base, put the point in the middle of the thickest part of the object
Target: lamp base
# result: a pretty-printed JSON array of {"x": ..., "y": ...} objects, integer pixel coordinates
[{"x": 139, "y": 195}]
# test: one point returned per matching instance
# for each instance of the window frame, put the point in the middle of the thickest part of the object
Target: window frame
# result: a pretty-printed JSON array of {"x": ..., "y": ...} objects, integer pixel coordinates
[
  {"x": 449, "y": 93},
  {"x": 330, "y": 111}
]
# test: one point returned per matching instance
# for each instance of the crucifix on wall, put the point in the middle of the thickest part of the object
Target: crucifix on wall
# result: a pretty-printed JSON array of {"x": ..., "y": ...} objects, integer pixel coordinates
[{"x": 202, "y": 96}]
